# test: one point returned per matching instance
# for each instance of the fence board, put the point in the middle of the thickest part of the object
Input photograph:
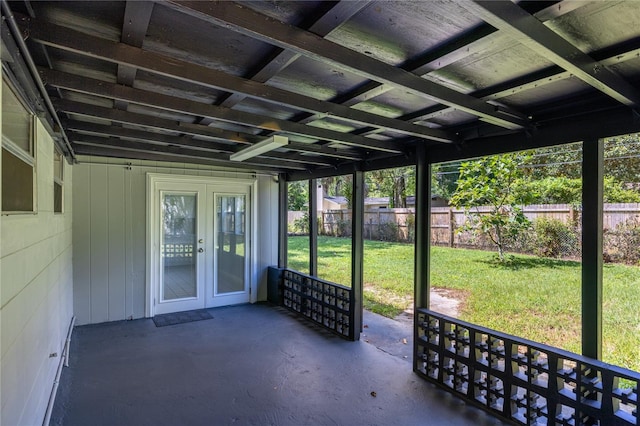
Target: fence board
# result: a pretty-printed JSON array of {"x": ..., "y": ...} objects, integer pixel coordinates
[{"x": 397, "y": 224}]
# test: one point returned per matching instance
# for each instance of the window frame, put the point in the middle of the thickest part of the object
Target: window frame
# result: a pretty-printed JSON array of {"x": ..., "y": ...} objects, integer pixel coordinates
[
  {"x": 29, "y": 157},
  {"x": 59, "y": 158}
]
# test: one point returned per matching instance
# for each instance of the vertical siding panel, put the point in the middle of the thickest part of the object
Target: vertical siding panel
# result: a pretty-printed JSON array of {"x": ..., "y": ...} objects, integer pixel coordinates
[
  {"x": 99, "y": 244},
  {"x": 128, "y": 242},
  {"x": 81, "y": 235},
  {"x": 139, "y": 241},
  {"x": 267, "y": 231},
  {"x": 263, "y": 201},
  {"x": 33, "y": 322},
  {"x": 116, "y": 226},
  {"x": 110, "y": 236}
]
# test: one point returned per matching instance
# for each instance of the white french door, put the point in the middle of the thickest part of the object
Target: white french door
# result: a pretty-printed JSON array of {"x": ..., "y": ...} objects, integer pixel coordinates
[
  {"x": 199, "y": 241},
  {"x": 227, "y": 264}
]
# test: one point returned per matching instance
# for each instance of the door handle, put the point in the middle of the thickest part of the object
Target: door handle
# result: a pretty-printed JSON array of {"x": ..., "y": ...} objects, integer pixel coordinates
[{"x": 200, "y": 250}]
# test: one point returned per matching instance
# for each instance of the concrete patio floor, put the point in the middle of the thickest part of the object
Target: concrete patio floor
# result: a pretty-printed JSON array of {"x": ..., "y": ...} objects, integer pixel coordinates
[{"x": 249, "y": 365}]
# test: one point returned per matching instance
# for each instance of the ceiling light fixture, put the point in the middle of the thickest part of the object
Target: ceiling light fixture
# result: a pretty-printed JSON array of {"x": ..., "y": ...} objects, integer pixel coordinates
[{"x": 260, "y": 148}]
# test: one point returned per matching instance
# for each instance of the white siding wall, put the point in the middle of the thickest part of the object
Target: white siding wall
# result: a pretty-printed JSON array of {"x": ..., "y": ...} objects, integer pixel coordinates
[
  {"x": 36, "y": 295},
  {"x": 110, "y": 234},
  {"x": 267, "y": 225}
]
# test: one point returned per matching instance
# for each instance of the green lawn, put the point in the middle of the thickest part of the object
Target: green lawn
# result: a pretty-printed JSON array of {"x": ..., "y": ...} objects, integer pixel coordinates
[{"x": 536, "y": 298}]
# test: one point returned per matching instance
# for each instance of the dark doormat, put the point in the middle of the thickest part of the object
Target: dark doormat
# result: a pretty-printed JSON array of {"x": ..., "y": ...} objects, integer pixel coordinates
[{"x": 181, "y": 317}]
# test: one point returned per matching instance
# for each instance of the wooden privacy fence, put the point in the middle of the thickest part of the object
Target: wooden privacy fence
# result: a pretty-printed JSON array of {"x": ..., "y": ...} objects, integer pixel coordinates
[
  {"x": 398, "y": 224},
  {"x": 445, "y": 220}
]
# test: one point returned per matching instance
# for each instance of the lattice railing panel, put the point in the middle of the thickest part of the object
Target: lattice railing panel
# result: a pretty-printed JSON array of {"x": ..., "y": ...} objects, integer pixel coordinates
[
  {"x": 327, "y": 304},
  {"x": 523, "y": 381}
]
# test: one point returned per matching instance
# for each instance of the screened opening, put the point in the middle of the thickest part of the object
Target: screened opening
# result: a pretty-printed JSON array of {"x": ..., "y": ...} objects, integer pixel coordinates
[
  {"x": 621, "y": 252},
  {"x": 389, "y": 233},
  {"x": 298, "y": 226},
  {"x": 506, "y": 250},
  {"x": 334, "y": 229}
]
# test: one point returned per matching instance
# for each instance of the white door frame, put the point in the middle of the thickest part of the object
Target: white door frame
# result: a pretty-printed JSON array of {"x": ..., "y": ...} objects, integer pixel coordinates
[
  {"x": 153, "y": 217},
  {"x": 212, "y": 262}
]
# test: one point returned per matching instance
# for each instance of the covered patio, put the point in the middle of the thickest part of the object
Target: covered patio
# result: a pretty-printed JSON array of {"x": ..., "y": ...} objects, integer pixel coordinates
[
  {"x": 250, "y": 365},
  {"x": 141, "y": 136}
]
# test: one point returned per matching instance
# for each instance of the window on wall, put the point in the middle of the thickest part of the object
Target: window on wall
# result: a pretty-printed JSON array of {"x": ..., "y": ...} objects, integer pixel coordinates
[
  {"x": 58, "y": 169},
  {"x": 18, "y": 153}
]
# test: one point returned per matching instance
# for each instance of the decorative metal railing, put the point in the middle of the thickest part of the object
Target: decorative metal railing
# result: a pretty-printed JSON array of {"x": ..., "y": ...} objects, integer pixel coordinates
[
  {"x": 519, "y": 380},
  {"x": 327, "y": 304}
]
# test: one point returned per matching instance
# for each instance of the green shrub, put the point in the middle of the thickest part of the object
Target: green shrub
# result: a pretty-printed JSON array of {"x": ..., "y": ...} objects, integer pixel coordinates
[
  {"x": 563, "y": 190},
  {"x": 555, "y": 238},
  {"x": 343, "y": 228},
  {"x": 301, "y": 225},
  {"x": 622, "y": 244},
  {"x": 615, "y": 192},
  {"x": 388, "y": 231},
  {"x": 411, "y": 227}
]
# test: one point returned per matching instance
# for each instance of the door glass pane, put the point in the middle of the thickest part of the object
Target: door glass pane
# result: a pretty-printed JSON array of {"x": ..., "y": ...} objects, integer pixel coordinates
[
  {"x": 178, "y": 246},
  {"x": 230, "y": 252}
]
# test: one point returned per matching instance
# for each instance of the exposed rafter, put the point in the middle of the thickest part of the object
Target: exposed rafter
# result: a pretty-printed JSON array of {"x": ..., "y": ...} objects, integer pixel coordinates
[
  {"x": 145, "y": 136},
  {"x": 136, "y": 154},
  {"x": 66, "y": 39},
  {"x": 79, "y": 139},
  {"x": 457, "y": 48},
  {"x": 213, "y": 77},
  {"x": 253, "y": 24},
  {"x": 600, "y": 125},
  {"x": 91, "y": 129},
  {"x": 126, "y": 117},
  {"x": 318, "y": 154},
  {"x": 511, "y": 18},
  {"x": 157, "y": 100},
  {"x": 134, "y": 28},
  {"x": 534, "y": 81},
  {"x": 280, "y": 59}
]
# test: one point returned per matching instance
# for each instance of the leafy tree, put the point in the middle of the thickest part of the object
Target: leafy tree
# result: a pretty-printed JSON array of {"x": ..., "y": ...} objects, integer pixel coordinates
[
  {"x": 622, "y": 158},
  {"x": 621, "y": 155},
  {"x": 336, "y": 186},
  {"x": 298, "y": 195},
  {"x": 444, "y": 178},
  {"x": 394, "y": 183},
  {"x": 563, "y": 190},
  {"x": 615, "y": 192},
  {"x": 489, "y": 181},
  {"x": 562, "y": 161},
  {"x": 549, "y": 190}
]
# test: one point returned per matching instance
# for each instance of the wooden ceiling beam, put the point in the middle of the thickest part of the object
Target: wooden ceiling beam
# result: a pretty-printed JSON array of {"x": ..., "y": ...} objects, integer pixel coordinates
[
  {"x": 106, "y": 151},
  {"x": 179, "y": 151},
  {"x": 73, "y": 41},
  {"x": 187, "y": 142},
  {"x": 280, "y": 58},
  {"x": 607, "y": 57},
  {"x": 135, "y": 23},
  {"x": 454, "y": 49},
  {"x": 521, "y": 25},
  {"x": 248, "y": 22},
  {"x": 321, "y": 153},
  {"x": 199, "y": 109},
  {"x": 143, "y": 120},
  {"x": 95, "y": 129}
]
